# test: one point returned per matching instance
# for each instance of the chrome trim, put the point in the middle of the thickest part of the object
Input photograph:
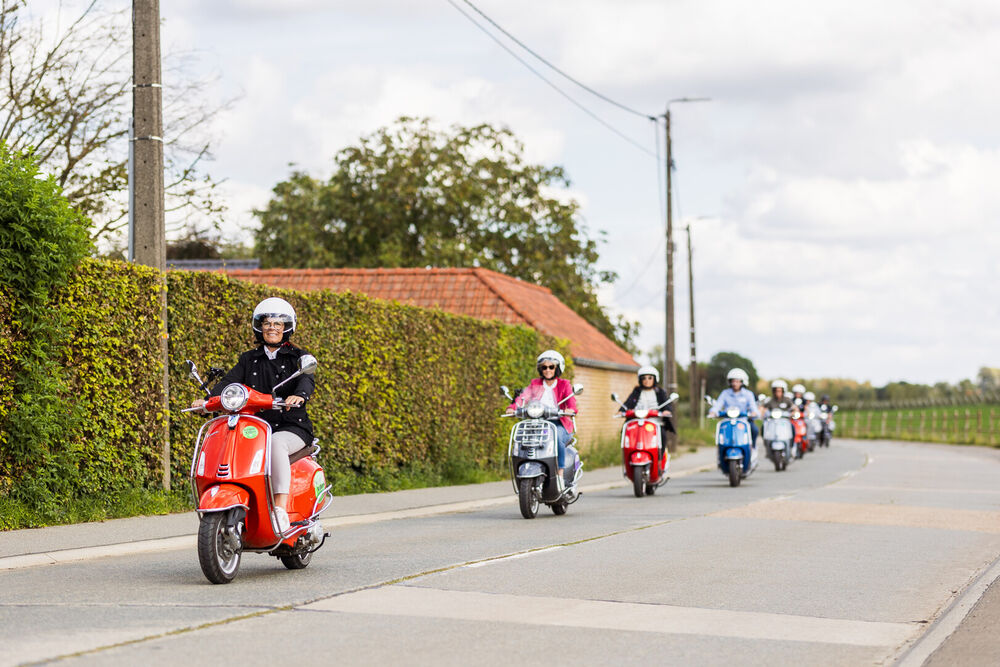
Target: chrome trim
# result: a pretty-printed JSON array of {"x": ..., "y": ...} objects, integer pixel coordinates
[{"x": 199, "y": 512}]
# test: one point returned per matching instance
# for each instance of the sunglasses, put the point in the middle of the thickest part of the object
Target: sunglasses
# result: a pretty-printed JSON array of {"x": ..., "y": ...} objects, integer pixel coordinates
[{"x": 547, "y": 367}]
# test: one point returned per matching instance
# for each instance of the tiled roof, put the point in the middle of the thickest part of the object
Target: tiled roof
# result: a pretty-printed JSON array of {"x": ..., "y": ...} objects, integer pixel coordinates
[{"x": 476, "y": 292}]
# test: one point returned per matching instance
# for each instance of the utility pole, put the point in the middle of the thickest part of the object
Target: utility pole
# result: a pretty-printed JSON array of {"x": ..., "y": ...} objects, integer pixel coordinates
[
  {"x": 693, "y": 383},
  {"x": 669, "y": 360},
  {"x": 149, "y": 243}
]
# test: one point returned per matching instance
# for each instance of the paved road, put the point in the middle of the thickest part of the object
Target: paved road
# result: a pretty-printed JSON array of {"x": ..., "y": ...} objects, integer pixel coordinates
[{"x": 866, "y": 553}]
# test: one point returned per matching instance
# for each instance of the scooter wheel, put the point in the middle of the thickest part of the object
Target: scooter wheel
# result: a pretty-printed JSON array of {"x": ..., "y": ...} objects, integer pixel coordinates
[
  {"x": 527, "y": 499},
  {"x": 637, "y": 482},
  {"x": 297, "y": 561},
  {"x": 734, "y": 472},
  {"x": 559, "y": 508},
  {"x": 650, "y": 489},
  {"x": 219, "y": 561}
]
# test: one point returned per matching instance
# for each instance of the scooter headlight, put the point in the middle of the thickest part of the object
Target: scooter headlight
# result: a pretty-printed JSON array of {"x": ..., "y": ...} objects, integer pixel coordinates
[
  {"x": 641, "y": 414},
  {"x": 733, "y": 412},
  {"x": 535, "y": 409},
  {"x": 234, "y": 397},
  {"x": 776, "y": 414}
]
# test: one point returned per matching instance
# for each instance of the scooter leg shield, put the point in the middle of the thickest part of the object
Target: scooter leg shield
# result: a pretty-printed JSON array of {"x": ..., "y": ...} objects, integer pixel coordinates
[{"x": 223, "y": 497}]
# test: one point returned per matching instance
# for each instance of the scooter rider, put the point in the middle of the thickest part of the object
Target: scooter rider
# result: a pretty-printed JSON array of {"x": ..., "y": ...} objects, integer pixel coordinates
[
  {"x": 797, "y": 391},
  {"x": 551, "y": 389},
  {"x": 737, "y": 395},
  {"x": 263, "y": 367},
  {"x": 648, "y": 395},
  {"x": 779, "y": 399}
]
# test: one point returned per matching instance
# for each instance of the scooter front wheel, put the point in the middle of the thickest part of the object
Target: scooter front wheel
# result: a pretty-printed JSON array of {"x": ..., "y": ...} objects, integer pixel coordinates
[
  {"x": 637, "y": 483},
  {"x": 527, "y": 499},
  {"x": 734, "y": 472},
  {"x": 218, "y": 555}
]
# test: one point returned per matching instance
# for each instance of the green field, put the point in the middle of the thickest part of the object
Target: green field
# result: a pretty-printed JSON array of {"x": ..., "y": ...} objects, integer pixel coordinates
[{"x": 958, "y": 424}]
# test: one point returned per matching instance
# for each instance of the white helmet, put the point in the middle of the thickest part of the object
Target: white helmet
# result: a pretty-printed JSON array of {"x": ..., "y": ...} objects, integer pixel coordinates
[
  {"x": 779, "y": 384},
  {"x": 738, "y": 374},
  {"x": 277, "y": 309},
  {"x": 798, "y": 388},
  {"x": 552, "y": 355},
  {"x": 809, "y": 396},
  {"x": 649, "y": 370}
]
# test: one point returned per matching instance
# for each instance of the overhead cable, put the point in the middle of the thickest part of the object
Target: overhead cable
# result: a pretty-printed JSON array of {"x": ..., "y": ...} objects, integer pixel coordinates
[
  {"x": 566, "y": 95},
  {"x": 564, "y": 74}
]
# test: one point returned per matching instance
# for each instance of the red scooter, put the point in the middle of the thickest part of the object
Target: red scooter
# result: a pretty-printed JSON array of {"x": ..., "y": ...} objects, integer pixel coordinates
[
  {"x": 231, "y": 482},
  {"x": 641, "y": 446},
  {"x": 800, "y": 433}
]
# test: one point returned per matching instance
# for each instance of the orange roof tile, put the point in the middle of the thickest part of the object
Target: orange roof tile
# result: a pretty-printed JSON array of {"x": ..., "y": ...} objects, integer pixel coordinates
[{"x": 477, "y": 292}]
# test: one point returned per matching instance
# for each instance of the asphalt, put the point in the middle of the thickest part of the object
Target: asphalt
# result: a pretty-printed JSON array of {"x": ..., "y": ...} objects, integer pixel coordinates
[{"x": 85, "y": 541}]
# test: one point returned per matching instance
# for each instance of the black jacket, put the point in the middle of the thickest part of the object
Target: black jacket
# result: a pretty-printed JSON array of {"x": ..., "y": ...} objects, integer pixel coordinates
[
  {"x": 661, "y": 398},
  {"x": 258, "y": 372}
]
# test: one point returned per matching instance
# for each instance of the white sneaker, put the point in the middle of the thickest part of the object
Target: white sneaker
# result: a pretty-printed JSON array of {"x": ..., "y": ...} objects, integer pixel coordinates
[{"x": 281, "y": 517}]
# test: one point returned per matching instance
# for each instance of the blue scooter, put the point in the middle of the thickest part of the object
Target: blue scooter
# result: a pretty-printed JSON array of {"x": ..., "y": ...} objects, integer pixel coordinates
[{"x": 737, "y": 456}]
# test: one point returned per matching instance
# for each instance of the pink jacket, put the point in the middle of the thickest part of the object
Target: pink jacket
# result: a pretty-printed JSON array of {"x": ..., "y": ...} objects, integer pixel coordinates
[{"x": 562, "y": 389}]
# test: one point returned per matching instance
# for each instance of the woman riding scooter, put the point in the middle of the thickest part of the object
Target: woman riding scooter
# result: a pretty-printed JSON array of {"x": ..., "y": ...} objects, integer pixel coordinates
[
  {"x": 263, "y": 367},
  {"x": 649, "y": 395},
  {"x": 552, "y": 390}
]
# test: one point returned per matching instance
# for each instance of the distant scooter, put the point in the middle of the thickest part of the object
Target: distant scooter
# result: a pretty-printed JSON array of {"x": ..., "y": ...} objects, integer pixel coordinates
[
  {"x": 826, "y": 415},
  {"x": 778, "y": 437},
  {"x": 737, "y": 456},
  {"x": 642, "y": 462},
  {"x": 533, "y": 456}
]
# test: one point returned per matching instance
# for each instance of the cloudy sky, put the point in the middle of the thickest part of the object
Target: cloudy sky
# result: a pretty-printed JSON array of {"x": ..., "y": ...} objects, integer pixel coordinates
[{"x": 841, "y": 184}]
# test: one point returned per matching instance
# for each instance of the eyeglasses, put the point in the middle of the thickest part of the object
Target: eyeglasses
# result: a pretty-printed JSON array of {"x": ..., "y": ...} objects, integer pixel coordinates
[
  {"x": 547, "y": 367},
  {"x": 647, "y": 377},
  {"x": 272, "y": 325}
]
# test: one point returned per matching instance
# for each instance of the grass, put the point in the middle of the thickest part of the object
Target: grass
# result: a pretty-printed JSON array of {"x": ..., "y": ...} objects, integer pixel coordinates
[
  {"x": 966, "y": 424},
  {"x": 15, "y": 514}
]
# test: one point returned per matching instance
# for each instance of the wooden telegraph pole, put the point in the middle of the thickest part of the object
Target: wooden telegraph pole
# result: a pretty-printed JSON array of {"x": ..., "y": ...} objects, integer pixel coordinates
[{"x": 148, "y": 235}]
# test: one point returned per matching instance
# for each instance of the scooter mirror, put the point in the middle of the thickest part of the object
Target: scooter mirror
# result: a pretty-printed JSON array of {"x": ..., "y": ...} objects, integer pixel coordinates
[
  {"x": 308, "y": 364},
  {"x": 614, "y": 397},
  {"x": 504, "y": 391},
  {"x": 835, "y": 408},
  {"x": 761, "y": 397},
  {"x": 193, "y": 371},
  {"x": 673, "y": 397},
  {"x": 578, "y": 388},
  {"x": 708, "y": 399}
]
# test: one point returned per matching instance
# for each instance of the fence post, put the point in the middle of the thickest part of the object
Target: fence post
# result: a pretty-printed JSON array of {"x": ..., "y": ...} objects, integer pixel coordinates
[
  {"x": 923, "y": 417},
  {"x": 868, "y": 425},
  {"x": 979, "y": 425},
  {"x": 965, "y": 430},
  {"x": 885, "y": 413},
  {"x": 899, "y": 423}
]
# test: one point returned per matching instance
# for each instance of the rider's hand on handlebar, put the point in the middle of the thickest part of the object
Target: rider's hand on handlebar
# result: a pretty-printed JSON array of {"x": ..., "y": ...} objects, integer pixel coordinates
[
  {"x": 294, "y": 402},
  {"x": 510, "y": 411},
  {"x": 198, "y": 403}
]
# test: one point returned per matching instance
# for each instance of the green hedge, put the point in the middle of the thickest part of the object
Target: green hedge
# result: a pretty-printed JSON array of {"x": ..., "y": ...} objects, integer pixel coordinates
[{"x": 397, "y": 387}]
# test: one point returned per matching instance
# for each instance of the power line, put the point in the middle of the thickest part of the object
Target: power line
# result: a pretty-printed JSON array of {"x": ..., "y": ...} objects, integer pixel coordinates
[
  {"x": 564, "y": 74},
  {"x": 566, "y": 95}
]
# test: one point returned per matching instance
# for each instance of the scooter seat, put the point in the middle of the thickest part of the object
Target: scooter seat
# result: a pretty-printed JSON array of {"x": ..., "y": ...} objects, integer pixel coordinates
[{"x": 311, "y": 450}]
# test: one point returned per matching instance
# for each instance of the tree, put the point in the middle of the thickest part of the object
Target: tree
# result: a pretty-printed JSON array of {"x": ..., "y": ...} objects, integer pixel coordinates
[
  {"x": 66, "y": 100},
  {"x": 720, "y": 364},
  {"x": 409, "y": 195}
]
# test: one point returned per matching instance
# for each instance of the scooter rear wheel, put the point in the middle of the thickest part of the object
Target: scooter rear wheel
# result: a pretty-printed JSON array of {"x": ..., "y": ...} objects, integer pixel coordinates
[
  {"x": 734, "y": 472},
  {"x": 559, "y": 508},
  {"x": 527, "y": 499},
  {"x": 219, "y": 561},
  {"x": 297, "y": 561}
]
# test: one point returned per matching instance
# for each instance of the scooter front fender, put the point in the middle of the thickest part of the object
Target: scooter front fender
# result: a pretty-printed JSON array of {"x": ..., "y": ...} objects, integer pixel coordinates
[
  {"x": 640, "y": 458},
  {"x": 530, "y": 469},
  {"x": 222, "y": 497},
  {"x": 734, "y": 453}
]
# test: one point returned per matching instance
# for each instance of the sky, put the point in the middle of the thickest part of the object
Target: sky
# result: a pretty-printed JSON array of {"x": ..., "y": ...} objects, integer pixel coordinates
[{"x": 840, "y": 185}]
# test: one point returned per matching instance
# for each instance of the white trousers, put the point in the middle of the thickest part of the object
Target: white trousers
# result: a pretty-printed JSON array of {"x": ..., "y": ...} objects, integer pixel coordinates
[{"x": 283, "y": 444}]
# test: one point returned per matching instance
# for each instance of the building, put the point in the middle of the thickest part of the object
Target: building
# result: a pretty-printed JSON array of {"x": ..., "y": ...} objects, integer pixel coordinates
[{"x": 600, "y": 364}]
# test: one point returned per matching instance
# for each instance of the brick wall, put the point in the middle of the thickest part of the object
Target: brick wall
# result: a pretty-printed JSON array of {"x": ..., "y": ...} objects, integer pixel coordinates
[{"x": 596, "y": 421}]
